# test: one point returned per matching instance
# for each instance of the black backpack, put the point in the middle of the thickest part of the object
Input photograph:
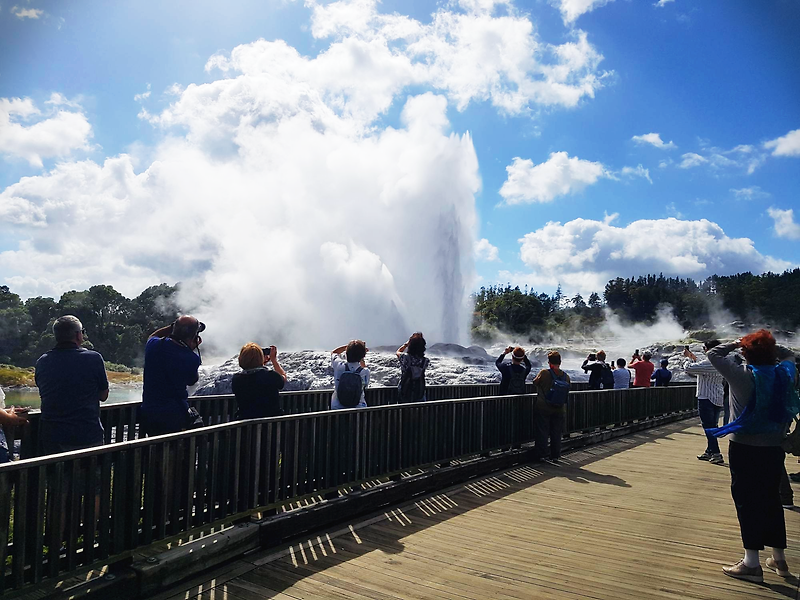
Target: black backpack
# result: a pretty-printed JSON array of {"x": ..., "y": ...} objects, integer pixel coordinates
[
  {"x": 516, "y": 382},
  {"x": 412, "y": 385},
  {"x": 607, "y": 378},
  {"x": 350, "y": 387}
]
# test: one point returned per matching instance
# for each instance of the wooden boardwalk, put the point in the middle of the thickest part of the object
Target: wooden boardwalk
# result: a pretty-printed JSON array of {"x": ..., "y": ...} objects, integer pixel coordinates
[{"x": 636, "y": 518}]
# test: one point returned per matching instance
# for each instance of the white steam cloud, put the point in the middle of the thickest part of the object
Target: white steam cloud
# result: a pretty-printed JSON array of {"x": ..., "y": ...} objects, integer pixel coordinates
[{"x": 289, "y": 210}]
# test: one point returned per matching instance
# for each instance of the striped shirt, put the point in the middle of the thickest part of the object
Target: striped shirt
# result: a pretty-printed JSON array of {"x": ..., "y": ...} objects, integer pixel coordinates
[{"x": 709, "y": 381}]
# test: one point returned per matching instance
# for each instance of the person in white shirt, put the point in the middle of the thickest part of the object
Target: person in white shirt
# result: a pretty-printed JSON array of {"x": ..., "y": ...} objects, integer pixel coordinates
[
  {"x": 710, "y": 399},
  {"x": 622, "y": 376}
]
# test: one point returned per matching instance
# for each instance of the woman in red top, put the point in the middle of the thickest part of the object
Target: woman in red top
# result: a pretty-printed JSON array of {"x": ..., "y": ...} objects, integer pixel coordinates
[{"x": 643, "y": 369}]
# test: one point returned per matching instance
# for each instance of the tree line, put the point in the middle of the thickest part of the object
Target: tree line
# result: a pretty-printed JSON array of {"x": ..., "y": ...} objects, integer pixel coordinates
[
  {"x": 116, "y": 326},
  {"x": 771, "y": 299}
]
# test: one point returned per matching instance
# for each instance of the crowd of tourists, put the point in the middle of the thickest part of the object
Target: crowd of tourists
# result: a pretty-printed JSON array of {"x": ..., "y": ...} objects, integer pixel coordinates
[{"x": 751, "y": 382}]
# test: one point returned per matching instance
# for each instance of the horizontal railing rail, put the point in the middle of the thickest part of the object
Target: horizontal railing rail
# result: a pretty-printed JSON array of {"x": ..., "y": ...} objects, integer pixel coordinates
[
  {"x": 70, "y": 510},
  {"x": 121, "y": 420}
]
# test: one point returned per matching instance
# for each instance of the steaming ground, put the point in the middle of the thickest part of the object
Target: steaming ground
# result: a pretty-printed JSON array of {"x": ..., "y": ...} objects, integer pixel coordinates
[{"x": 451, "y": 364}]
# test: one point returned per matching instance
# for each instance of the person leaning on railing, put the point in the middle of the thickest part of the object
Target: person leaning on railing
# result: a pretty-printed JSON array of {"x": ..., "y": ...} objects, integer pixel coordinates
[
  {"x": 550, "y": 409},
  {"x": 256, "y": 387},
  {"x": 72, "y": 383},
  {"x": 353, "y": 363},
  {"x": 171, "y": 363}
]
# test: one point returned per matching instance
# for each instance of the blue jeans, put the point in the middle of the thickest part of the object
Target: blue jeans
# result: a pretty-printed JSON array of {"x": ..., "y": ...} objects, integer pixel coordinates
[{"x": 709, "y": 417}]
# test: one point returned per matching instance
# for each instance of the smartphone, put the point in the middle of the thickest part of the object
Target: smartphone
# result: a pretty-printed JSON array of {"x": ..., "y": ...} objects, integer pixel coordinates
[{"x": 686, "y": 348}]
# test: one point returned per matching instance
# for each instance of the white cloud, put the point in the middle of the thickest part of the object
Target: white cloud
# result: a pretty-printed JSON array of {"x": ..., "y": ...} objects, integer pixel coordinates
[
  {"x": 143, "y": 95},
  {"x": 484, "y": 250},
  {"x": 370, "y": 229},
  {"x": 28, "y": 134},
  {"x": 788, "y": 145},
  {"x": 369, "y": 234},
  {"x": 785, "y": 226},
  {"x": 572, "y": 9},
  {"x": 691, "y": 159},
  {"x": 558, "y": 176},
  {"x": 662, "y": 3},
  {"x": 750, "y": 193},
  {"x": 673, "y": 211},
  {"x": 654, "y": 139},
  {"x": 471, "y": 55},
  {"x": 637, "y": 171},
  {"x": 584, "y": 254},
  {"x": 26, "y": 13}
]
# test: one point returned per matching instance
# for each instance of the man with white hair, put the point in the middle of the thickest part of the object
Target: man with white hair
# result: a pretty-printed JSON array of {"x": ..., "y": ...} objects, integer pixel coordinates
[{"x": 72, "y": 383}]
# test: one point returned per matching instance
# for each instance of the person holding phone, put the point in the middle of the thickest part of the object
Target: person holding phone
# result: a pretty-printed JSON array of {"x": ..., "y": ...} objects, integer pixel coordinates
[
  {"x": 256, "y": 387},
  {"x": 710, "y": 398}
]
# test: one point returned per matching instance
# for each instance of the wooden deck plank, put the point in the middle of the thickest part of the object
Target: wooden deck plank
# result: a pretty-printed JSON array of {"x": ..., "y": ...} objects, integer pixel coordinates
[{"x": 638, "y": 517}]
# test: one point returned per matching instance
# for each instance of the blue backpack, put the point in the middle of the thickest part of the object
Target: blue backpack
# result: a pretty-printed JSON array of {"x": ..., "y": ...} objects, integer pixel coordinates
[
  {"x": 557, "y": 394},
  {"x": 350, "y": 387}
]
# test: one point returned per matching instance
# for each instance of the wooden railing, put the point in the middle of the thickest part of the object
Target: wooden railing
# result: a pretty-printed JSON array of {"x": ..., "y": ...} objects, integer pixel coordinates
[
  {"x": 69, "y": 510},
  {"x": 120, "y": 420}
]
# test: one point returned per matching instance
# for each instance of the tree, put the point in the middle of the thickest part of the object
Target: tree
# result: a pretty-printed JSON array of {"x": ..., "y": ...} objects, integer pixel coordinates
[
  {"x": 577, "y": 301},
  {"x": 594, "y": 300}
]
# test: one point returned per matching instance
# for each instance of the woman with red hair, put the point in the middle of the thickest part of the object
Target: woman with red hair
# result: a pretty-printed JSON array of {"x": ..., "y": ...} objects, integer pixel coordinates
[{"x": 763, "y": 402}]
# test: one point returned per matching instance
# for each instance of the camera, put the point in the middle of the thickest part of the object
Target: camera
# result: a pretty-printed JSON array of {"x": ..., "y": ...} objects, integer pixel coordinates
[
  {"x": 686, "y": 348},
  {"x": 266, "y": 349}
]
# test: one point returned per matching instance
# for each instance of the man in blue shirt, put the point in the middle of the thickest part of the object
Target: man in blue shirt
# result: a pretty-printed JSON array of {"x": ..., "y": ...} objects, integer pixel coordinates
[
  {"x": 72, "y": 383},
  {"x": 170, "y": 365},
  {"x": 662, "y": 376}
]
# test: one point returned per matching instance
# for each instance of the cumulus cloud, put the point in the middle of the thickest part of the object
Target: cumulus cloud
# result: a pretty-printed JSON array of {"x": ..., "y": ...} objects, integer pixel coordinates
[
  {"x": 785, "y": 226},
  {"x": 637, "y": 171},
  {"x": 143, "y": 96},
  {"x": 560, "y": 175},
  {"x": 692, "y": 159},
  {"x": 584, "y": 254},
  {"x": 484, "y": 250},
  {"x": 27, "y": 133},
  {"x": 654, "y": 139},
  {"x": 276, "y": 179},
  {"x": 471, "y": 55},
  {"x": 26, "y": 13},
  {"x": 788, "y": 145},
  {"x": 749, "y": 193},
  {"x": 572, "y": 9}
]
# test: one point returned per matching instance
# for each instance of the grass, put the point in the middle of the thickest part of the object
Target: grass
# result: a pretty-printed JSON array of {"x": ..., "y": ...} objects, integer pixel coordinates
[{"x": 14, "y": 376}]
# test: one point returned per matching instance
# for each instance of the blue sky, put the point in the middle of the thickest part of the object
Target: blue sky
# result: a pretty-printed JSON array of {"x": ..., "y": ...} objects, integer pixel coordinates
[{"x": 680, "y": 117}]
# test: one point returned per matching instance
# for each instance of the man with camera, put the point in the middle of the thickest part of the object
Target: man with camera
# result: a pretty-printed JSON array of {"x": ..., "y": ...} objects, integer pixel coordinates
[{"x": 171, "y": 362}]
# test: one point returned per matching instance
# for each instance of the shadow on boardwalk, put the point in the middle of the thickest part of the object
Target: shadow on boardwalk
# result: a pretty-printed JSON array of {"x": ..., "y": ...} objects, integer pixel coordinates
[{"x": 484, "y": 539}]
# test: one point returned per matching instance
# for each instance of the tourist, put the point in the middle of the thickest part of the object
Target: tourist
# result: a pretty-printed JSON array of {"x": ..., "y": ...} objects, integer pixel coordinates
[
  {"x": 642, "y": 369},
  {"x": 513, "y": 374},
  {"x": 72, "y": 383},
  {"x": 661, "y": 377},
  {"x": 11, "y": 417},
  {"x": 350, "y": 375},
  {"x": 763, "y": 402},
  {"x": 171, "y": 363},
  {"x": 600, "y": 375},
  {"x": 622, "y": 376},
  {"x": 256, "y": 387},
  {"x": 412, "y": 369},
  {"x": 710, "y": 399},
  {"x": 552, "y": 387}
]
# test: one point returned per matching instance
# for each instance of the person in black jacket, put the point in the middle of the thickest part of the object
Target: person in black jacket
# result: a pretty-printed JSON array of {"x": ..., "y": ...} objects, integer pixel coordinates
[
  {"x": 256, "y": 387},
  {"x": 514, "y": 373},
  {"x": 600, "y": 375}
]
